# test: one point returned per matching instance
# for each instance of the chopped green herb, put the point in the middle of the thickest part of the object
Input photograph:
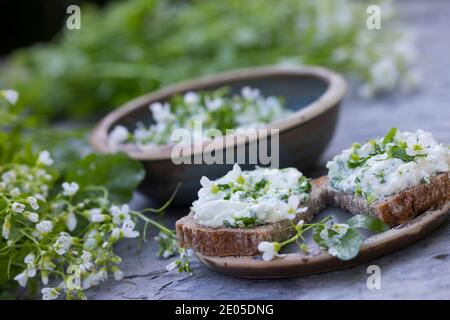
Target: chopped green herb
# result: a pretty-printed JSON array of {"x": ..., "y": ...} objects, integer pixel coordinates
[
  {"x": 242, "y": 222},
  {"x": 261, "y": 184},
  {"x": 380, "y": 175},
  {"x": 389, "y": 137}
]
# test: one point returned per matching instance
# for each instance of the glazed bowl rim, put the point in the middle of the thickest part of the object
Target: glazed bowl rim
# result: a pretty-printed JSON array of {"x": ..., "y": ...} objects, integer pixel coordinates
[{"x": 333, "y": 94}]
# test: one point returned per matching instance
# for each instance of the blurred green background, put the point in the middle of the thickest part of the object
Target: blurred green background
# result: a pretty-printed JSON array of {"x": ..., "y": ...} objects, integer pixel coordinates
[{"x": 131, "y": 47}]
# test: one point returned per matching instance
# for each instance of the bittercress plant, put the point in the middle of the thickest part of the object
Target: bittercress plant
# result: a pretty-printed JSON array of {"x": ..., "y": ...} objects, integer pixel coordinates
[{"x": 59, "y": 226}]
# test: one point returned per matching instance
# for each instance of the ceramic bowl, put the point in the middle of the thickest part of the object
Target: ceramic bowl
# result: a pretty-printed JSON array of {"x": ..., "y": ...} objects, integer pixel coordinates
[{"x": 313, "y": 93}]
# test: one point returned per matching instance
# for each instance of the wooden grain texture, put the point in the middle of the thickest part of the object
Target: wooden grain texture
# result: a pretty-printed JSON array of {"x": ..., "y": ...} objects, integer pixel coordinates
[{"x": 419, "y": 271}]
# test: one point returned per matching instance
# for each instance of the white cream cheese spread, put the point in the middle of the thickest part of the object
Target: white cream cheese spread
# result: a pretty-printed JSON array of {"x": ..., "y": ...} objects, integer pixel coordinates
[
  {"x": 249, "y": 198},
  {"x": 389, "y": 165}
]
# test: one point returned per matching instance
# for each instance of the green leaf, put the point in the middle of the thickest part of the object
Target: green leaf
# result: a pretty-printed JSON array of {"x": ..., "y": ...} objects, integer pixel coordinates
[
  {"x": 370, "y": 223},
  {"x": 356, "y": 161},
  {"x": 317, "y": 238},
  {"x": 117, "y": 172},
  {"x": 347, "y": 247},
  {"x": 261, "y": 184},
  {"x": 400, "y": 153},
  {"x": 389, "y": 137}
]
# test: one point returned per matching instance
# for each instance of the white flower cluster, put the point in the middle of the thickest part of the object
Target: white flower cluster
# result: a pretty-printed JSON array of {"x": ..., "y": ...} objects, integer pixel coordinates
[
  {"x": 45, "y": 225},
  {"x": 214, "y": 110},
  {"x": 381, "y": 62}
]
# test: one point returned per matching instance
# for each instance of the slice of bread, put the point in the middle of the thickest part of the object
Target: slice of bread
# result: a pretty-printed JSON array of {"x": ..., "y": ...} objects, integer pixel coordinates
[
  {"x": 226, "y": 241},
  {"x": 400, "y": 207}
]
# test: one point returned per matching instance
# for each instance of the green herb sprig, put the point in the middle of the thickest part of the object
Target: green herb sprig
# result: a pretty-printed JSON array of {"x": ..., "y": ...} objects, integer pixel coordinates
[{"x": 341, "y": 240}]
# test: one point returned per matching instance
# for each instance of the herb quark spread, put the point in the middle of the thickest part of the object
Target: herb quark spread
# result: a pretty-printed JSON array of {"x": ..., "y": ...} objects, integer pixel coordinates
[
  {"x": 386, "y": 166},
  {"x": 249, "y": 198}
]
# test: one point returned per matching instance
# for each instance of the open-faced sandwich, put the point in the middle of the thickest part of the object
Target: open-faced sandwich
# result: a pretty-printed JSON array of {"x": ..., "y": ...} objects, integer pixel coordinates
[
  {"x": 237, "y": 212},
  {"x": 385, "y": 182},
  {"x": 393, "y": 178}
]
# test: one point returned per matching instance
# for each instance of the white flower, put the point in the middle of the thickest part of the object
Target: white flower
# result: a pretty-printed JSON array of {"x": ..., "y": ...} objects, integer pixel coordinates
[
  {"x": 50, "y": 293},
  {"x": 116, "y": 233},
  {"x": 269, "y": 250},
  {"x": 33, "y": 203},
  {"x": 234, "y": 174},
  {"x": 22, "y": 278},
  {"x": 102, "y": 274},
  {"x": 9, "y": 176},
  {"x": 118, "y": 274},
  {"x": 10, "y": 95},
  {"x": 44, "y": 226},
  {"x": 302, "y": 210},
  {"x": 120, "y": 214},
  {"x": 29, "y": 259},
  {"x": 90, "y": 281},
  {"x": 250, "y": 94},
  {"x": 118, "y": 135},
  {"x": 161, "y": 112},
  {"x": 63, "y": 243},
  {"x": 86, "y": 257},
  {"x": 205, "y": 182},
  {"x": 70, "y": 188},
  {"x": 300, "y": 224},
  {"x": 95, "y": 215},
  {"x": 340, "y": 228},
  {"x": 128, "y": 229},
  {"x": 418, "y": 145},
  {"x": 31, "y": 268},
  {"x": 6, "y": 228},
  {"x": 45, "y": 158},
  {"x": 172, "y": 266},
  {"x": 32, "y": 216},
  {"x": 44, "y": 277},
  {"x": 324, "y": 234},
  {"x": 191, "y": 98},
  {"x": 293, "y": 202},
  {"x": 213, "y": 104},
  {"x": 17, "y": 207},
  {"x": 94, "y": 279},
  {"x": 71, "y": 221}
]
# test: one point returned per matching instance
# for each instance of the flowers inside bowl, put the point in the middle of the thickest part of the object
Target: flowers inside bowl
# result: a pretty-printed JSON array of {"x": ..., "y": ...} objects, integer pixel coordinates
[
  {"x": 213, "y": 110},
  {"x": 186, "y": 130}
]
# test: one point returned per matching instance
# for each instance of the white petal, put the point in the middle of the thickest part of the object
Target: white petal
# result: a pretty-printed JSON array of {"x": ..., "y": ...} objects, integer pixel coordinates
[{"x": 11, "y": 95}]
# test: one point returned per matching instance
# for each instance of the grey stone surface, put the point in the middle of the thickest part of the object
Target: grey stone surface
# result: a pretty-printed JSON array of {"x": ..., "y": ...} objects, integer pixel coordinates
[{"x": 420, "y": 271}]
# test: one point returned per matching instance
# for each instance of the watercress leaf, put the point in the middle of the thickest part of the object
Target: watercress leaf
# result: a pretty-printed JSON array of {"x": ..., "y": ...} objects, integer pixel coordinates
[
  {"x": 389, "y": 137},
  {"x": 400, "y": 153},
  {"x": 317, "y": 238},
  {"x": 261, "y": 184},
  {"x": 117, "y": 172},
  {"x": 346, "y": 247},
  {"x": 370, "y": 223}
]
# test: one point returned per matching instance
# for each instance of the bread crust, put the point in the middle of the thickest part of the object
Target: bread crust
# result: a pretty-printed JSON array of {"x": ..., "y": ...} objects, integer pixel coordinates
[
  {"x": 398, "y": 208},
  {"x": 226, "y": 241}
]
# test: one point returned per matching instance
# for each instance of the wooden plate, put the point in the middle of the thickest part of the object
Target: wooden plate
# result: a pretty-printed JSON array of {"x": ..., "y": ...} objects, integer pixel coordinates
[{"x": 299, "y": 264}]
